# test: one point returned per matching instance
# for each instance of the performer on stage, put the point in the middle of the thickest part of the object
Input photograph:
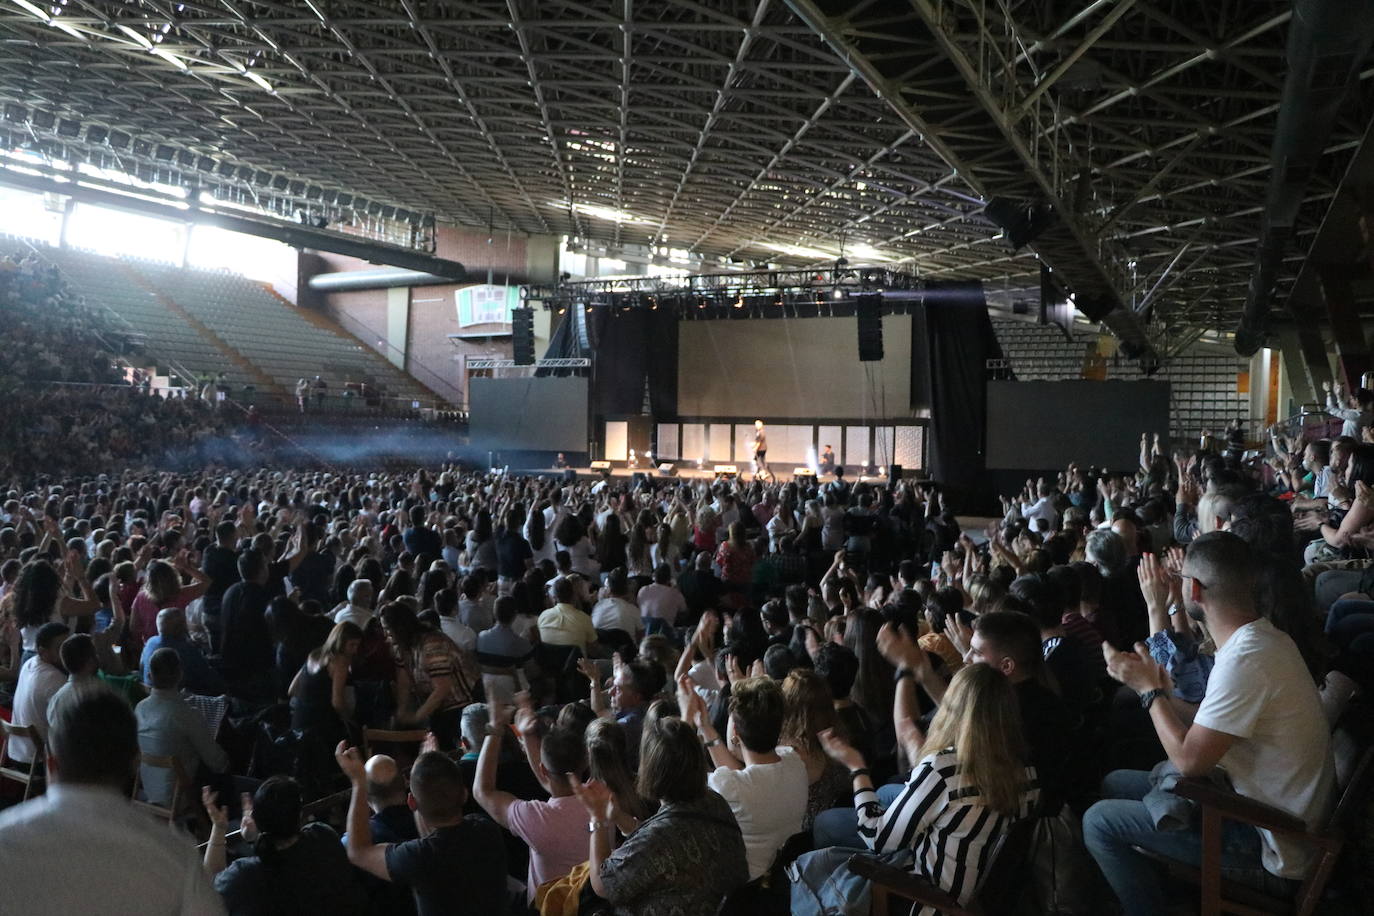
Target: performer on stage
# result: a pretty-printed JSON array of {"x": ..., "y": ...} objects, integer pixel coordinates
[
  {"x": 760, "y": 448},
  {"x": 827, "y": 462}
]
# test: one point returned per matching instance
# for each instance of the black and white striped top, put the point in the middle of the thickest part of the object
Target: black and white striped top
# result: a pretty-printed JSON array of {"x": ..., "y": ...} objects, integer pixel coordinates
[{"x": 939, "y": 816}]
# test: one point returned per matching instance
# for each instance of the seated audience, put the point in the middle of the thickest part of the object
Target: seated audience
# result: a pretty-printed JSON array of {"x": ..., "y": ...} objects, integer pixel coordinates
[
  {"x": 684, "y": 858},
  {"x": 457, "y": 866},
  {"x": 81, "y": 846},
  {"x": 198, "y": 676},
  {"x": 970, "y": 781},
  {"x": 765, "y": 784},
  {"x": 39, "y": 680},
  {"x": 294, "y": 867},
  {"x": 169, "y": 727},
  {"x": 1261, "y": 719}
]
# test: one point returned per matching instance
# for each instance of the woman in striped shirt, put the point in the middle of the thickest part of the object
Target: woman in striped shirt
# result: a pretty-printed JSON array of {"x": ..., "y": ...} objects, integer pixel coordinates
[{"x": 970, "y": 782}]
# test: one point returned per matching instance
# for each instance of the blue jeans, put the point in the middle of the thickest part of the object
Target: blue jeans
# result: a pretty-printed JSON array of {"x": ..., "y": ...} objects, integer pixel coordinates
[
  {"x": 1118, "y": 822},
  {"x": 840, "y": 826},
  {"x": 1349, "y": 618}
]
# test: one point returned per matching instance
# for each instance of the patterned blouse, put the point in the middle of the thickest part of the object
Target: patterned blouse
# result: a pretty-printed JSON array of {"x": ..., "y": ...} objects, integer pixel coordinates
[{"x": 680, "y": 862}]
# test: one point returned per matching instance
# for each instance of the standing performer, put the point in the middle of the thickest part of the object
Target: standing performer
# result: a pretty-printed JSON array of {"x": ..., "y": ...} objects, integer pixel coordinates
[{"x": 760, "y": 449}]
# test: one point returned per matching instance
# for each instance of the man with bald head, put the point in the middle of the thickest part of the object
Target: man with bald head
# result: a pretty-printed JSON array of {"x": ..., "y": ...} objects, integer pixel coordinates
[
  {"x": 392, "y": 820},
  {"x": 197, "y": 674}
]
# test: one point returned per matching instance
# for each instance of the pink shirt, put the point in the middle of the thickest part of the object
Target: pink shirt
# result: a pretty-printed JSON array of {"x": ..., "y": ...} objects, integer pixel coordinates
[
  {"x": 556, "y": 831},
  {"x": 143, "y": 614}
]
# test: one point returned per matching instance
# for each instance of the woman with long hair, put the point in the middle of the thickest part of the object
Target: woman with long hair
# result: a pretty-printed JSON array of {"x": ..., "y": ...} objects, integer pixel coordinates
[
  {"x": 610, "y": 546},
  {"x": 162, "y": 589},
  {"x": 608, "y": 758},
  {"x": 736, "y": 558},
  {"x": 536, "y": 533},
  {"x": 40, "y": 596},
  {"x": 571, "y": 535},
  {"x": 808, "y": 710},
  {"x": 969, "y": 784},
  {"x": 481, "y": 542},
  {"x": 685, "y": 858},
  {"x": 638, "y": 552},
  {"x": 321, "y": 693},
  {"x": 434, "y": 678}
]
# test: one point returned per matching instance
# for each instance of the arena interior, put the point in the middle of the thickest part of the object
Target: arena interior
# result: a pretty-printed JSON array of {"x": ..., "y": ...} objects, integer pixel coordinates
[{"x": 669, "y": 458}]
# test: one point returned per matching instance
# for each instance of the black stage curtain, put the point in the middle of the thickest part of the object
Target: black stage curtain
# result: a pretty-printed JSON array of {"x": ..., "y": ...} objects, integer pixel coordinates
[
  {"x": 959, "y": 342},
  {"x": 632, "y": 347},
  {"x": 661, "y": 351},
  {"x": 621, "y": 361}
]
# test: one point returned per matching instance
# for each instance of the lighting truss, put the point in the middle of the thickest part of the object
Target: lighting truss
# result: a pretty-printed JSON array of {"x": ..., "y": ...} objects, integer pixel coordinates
[{"x": 785, "y": 285}]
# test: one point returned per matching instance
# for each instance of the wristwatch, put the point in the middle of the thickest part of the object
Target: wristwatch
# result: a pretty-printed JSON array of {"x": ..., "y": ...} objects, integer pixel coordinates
[
  {"x": 1173, "y": 609},
  {"x": 902, "y": 673},
  {"x": 713, "y": 742},
  {"x": 1148, "y": 697},
  {"x": 594, "y": 826}
]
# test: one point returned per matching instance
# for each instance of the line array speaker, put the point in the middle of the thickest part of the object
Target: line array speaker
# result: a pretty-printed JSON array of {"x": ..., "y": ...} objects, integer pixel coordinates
[
  {"x": 522, "y": 333},
  {"x": 869, "y": 316}
]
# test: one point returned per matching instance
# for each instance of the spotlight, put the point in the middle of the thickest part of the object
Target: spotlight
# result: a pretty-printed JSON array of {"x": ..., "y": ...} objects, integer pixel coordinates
[{"x": 837, "y": 293}]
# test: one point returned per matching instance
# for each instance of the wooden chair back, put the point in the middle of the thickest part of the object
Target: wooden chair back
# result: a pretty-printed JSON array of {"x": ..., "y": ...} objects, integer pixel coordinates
[
  {"x": 9, "y": 769},
  {"x": 409, "y": 736},
  {"x": 181, "y": 786}
]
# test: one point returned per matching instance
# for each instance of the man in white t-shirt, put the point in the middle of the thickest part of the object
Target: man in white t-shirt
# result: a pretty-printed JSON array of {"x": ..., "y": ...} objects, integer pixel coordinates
[
  {"x": 1042, "y": 508},
  {"x": 1260, "y": 720},
  {"x": 615, "y": 611},
  {"x": 660, "y": 599},
  {"x": 765, "y": 785},
  {"x": 39, "y": 680}
]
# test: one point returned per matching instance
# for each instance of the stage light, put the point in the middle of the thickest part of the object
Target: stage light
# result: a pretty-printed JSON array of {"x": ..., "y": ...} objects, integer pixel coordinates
[
  {"x": 562, "y": 310},
  {"x": 739, "y": 302},
  {"x": 837, "y": 294},
  {"x": 882, "y": 471}
]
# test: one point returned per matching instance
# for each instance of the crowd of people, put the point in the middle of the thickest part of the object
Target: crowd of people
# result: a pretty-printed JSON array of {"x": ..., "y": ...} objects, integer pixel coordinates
[
  {"x": 656, "y": 696},
  {"x": 70, "y": 406}
]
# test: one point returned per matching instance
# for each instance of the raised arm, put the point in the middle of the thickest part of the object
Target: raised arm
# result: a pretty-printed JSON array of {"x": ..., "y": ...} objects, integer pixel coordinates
[
  {"x": 362, "y": 852},
  {"x": 493, "y": 801}
]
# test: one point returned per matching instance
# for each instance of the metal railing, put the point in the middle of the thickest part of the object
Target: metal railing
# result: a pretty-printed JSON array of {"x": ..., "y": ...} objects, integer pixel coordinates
[{"x": 409, "y": 365}]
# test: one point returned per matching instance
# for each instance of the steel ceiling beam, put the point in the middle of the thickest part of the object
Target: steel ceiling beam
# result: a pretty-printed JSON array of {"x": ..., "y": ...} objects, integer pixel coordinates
[{"x": 293, "y": 234}]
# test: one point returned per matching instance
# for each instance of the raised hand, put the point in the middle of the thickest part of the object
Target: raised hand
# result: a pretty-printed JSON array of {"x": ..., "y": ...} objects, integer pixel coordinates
[
  {"x": 733, "y": 671},
  {"x": 1154, "y": 582},
  {"x": 350, "y": 761},
  {"x": 899, "y": 648},
  {"x": 589, "y": 670},
  {"x": 219, "y": 815},
  {"x": 595, "y": 796},
  {"x": 839, "y": 750}
]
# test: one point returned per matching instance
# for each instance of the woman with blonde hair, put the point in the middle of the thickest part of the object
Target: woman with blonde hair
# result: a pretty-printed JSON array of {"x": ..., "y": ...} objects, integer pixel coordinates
[
  {"x": 808, "y": 710},
  {"x": 969, "y": 784}
]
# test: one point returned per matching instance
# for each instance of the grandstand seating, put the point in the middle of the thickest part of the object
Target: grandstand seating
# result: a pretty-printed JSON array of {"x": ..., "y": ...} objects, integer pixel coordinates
[
  {"x": 106, "y": 282},
  {"x": 274, "y": 336},
  {"x": 1204, "y": 394},
  {"x": 244, "y": 330}
]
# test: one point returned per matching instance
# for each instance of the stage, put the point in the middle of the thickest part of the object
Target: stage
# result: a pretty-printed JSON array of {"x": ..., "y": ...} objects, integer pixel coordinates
[{"x": 688, "y": 472}]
